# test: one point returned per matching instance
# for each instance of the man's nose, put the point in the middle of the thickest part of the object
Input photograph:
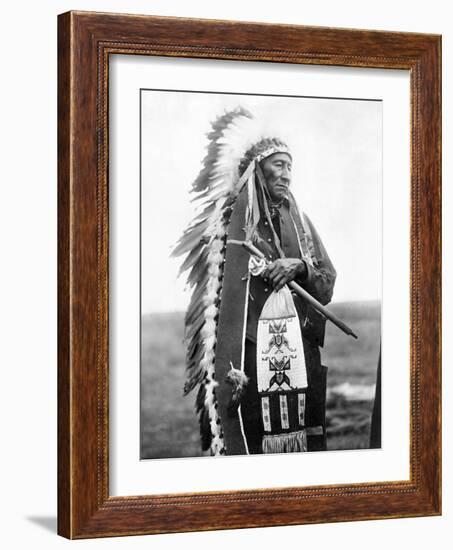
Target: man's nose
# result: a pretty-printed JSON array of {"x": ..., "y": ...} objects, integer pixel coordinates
[{"x": 286, "y": 175}]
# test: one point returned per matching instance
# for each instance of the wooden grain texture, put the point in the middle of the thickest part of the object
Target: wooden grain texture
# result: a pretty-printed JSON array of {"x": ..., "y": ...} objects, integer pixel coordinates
[
  {"x": 64, "y": 370},
  {"x": 85, "y": 42}
]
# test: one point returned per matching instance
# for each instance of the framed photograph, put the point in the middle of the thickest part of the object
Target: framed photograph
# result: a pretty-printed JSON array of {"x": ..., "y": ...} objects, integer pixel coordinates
[{"x": 249, "y": 275}]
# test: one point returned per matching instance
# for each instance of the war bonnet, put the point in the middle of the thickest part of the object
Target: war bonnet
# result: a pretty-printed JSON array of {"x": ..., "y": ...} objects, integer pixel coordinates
[{"x": 237, "y": 142}]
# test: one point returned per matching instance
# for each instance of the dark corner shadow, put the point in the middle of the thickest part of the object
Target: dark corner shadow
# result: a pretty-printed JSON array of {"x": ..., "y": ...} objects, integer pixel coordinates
[{"x": 49, "y": 523}]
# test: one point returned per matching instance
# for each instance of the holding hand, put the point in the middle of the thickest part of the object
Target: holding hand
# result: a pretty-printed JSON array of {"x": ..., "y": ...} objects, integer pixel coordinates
[{"x": 283, "y": 271}]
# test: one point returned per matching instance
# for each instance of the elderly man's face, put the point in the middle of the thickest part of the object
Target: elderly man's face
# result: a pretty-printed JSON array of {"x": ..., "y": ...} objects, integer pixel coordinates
[{"x": 277, "y": 173}]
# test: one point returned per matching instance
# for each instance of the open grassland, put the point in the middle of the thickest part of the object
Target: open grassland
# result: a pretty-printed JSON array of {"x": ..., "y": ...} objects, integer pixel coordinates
[
  {"x": 169, "y": 425},
  {"x": 352, "y": 374}
]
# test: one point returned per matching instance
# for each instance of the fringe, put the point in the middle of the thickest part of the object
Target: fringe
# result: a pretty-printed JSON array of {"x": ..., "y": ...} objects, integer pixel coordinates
[{"x": 294, "y": 442}]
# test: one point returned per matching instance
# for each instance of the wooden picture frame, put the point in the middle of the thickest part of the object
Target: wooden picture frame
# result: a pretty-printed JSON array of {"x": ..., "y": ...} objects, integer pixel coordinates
[{"x": 85, "y": 42}]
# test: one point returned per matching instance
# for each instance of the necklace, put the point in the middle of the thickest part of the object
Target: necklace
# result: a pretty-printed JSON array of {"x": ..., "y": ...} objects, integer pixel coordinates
[{"x": 274, "y": 207}]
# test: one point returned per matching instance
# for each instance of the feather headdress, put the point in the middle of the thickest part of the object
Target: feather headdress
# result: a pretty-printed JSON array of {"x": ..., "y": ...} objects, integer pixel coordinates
[{"x": 237, "y": 141}]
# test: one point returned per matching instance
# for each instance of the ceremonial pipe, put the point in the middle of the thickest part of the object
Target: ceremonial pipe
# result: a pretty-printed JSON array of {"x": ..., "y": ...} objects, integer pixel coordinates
[{"x": 251, "y": 249}]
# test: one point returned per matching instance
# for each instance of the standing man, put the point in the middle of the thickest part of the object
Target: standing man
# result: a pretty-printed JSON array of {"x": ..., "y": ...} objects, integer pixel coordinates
[{"x": 252, "y": 345}]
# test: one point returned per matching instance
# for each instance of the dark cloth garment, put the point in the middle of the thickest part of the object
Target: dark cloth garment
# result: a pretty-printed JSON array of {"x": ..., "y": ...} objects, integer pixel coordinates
[
  {"x": 375, "y": 433},
  {"x": 319, "y": 282},
  {"x": 241, "y": 304}
]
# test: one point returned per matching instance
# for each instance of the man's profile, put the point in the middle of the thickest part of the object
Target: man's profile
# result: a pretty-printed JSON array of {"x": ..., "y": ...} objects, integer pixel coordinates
[{"x": 252, "y": 342}]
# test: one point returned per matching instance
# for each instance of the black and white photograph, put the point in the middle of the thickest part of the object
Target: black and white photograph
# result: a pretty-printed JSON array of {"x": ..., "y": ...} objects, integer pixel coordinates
[
  {"x": 261, "y": 273},
  {"x": 225, "y": 290}
]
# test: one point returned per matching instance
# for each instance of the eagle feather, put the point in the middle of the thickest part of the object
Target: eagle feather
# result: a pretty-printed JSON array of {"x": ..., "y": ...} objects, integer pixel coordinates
[{"x": 203, "y": 243}]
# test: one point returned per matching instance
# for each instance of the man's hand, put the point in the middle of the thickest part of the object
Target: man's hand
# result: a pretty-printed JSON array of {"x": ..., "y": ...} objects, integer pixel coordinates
[{"x": 283, "y": 271}]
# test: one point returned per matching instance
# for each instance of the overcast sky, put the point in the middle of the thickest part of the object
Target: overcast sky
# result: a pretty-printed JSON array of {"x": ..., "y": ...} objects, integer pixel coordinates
[{"x": 337, "y": 180}]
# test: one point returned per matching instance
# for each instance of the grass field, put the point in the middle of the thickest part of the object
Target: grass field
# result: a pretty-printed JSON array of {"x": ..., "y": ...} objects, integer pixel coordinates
[{"x": 170, "y": 427}]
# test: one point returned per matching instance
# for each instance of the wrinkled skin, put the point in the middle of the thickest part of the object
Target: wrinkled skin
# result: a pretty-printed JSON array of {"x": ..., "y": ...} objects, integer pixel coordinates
[
  {"x": 283, "y": 271},
  {"x": 277, "y": 173}
]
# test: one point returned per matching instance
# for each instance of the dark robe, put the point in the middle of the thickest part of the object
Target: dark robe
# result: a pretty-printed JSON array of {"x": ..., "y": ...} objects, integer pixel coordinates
[
  {"x": 238, "y": 319},
  {"x": 319, "y": 282},
  {"x": 375, "y": 433}
]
